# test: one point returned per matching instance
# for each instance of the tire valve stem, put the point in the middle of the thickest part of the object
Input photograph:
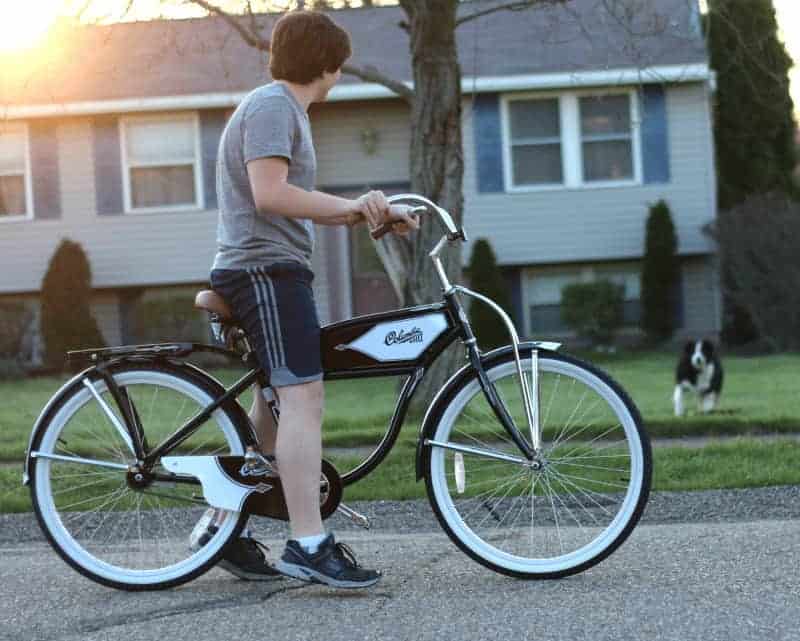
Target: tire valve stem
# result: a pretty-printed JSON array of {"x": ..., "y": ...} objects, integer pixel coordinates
[{"x": 458, "y": 464}]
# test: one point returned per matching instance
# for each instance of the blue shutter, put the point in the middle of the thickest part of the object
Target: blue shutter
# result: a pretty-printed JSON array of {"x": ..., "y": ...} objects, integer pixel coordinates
[
  {"x": 655, "y": 135},
  {"x": 488, "y": 143},
  {"x": 212, "y": 122},
  {"x": 44, "y": 169},
  {"x": 513, "y": 277},
  {"x": 107, "y": 165}
]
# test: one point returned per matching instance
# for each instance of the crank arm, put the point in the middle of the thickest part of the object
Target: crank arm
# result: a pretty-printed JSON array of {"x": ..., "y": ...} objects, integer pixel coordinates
[{"x": 355, "y": 517}]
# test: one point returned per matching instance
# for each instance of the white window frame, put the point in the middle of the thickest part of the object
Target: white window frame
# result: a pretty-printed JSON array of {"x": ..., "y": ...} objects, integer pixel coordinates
[
  {"x": 571, "y": 140},
  {"x": 28, "y": 181},
  {"x": 199, "y": 203}
]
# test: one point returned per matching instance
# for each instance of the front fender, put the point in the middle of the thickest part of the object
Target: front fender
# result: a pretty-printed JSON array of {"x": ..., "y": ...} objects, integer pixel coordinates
[{"x": 453, "y": 384}]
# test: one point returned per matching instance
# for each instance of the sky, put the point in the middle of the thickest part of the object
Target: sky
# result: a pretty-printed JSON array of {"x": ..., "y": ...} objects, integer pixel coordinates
[{"x": 24, "y": 23}]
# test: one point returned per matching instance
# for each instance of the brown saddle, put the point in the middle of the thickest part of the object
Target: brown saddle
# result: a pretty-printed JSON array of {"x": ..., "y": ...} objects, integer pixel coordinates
[{"x": 213, "y": 303}]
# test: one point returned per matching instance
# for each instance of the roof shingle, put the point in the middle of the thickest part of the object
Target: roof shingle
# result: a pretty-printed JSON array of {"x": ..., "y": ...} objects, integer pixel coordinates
[{"x": 205, "y": 55}]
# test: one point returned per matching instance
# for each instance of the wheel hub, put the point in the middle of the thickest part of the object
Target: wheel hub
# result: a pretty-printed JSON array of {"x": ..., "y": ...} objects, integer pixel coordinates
[{"x": 138, "y": 479}]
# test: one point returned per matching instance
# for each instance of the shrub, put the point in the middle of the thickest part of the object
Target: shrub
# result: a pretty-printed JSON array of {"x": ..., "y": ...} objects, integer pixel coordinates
[
  {"x": 67, "y": 321},
  {"x": 758, "y": 251},
  {"x": 170, "y": 317},
  {"x": 593, "y": 310},
  {"x": 660, "y": 274},
  {"x": 15, "y": 318},
  {"x": 487, "y": 279}
]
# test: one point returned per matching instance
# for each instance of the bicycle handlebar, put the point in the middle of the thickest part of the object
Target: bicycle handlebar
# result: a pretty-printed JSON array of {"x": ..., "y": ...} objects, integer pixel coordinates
[{"x": 453, "y": 233}]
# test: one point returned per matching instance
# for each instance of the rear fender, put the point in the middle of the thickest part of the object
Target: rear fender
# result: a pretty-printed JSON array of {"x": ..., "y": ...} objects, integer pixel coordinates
[{"x": 214, "y": 386}]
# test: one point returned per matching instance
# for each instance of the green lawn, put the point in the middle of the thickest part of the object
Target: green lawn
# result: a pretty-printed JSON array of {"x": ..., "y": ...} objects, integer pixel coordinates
[
  {"x": 740, "y": 463},
  {"x": 761, "y": 395}
]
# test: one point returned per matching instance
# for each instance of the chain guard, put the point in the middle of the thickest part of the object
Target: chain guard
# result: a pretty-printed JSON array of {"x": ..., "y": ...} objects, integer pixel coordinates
[{"x": 228, "y": 483}]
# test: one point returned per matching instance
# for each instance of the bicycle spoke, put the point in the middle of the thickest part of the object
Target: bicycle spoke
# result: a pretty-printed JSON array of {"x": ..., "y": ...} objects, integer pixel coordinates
[
  {"x": 567, "y": 498},
  {"x": 106, "y": 526}
]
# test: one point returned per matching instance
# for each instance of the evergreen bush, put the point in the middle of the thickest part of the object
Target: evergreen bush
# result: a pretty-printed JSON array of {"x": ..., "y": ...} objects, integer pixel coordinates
[
  {"x": 593, "y": 310},
  {"x": 660, "y": 274},
  {"x": 67, "y": 322},
  {"x": 487, "y": 279}
]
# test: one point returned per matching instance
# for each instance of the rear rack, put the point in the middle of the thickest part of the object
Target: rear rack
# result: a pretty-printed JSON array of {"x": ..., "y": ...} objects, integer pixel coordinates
[{"x": 155, "y": 350}]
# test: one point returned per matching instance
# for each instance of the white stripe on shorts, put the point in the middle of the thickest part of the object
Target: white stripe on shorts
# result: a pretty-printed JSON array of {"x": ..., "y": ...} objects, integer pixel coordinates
[
  {"x": 275, "y": 344},
  {"x": 262, "y": 306}
]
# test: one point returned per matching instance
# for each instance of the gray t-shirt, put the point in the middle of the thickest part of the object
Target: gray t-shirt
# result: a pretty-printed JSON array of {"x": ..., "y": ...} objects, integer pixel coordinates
[{"x": 268, "y": 122}]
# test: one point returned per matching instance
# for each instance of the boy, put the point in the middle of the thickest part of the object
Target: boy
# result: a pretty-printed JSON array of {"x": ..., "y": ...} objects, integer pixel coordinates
[{"x": 265, "y": 178}]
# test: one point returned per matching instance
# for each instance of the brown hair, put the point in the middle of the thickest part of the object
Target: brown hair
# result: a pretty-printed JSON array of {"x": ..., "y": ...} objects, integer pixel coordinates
[{"x": 304, "y": 44}]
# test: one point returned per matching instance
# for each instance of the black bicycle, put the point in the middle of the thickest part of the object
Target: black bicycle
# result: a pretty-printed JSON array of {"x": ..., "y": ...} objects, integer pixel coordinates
[{"x": 535, "y": 463}]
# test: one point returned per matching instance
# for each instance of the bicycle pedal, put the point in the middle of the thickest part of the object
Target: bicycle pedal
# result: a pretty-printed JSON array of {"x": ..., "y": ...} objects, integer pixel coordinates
[{"x": 356, "y": 517}]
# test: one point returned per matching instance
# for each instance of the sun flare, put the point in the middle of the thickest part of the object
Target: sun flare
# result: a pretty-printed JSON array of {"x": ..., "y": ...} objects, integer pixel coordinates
[{"x": 24, "y": 24}]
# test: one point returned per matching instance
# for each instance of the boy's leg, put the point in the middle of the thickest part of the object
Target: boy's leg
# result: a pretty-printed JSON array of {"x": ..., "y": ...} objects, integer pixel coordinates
[
  {"x": 299, "y": 455},
  {"x": 263, "y": 421}
]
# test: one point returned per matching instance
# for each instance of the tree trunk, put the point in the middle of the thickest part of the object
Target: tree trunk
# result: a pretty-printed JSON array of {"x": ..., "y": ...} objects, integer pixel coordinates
[{"x": 436, "y": 156}]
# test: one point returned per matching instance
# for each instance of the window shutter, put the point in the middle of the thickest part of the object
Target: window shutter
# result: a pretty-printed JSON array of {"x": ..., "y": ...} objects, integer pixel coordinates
[
  {"x": 513, "y": 277},
  {"x": 107, "y": 166},
  {"x": 488, "y": 143},
  {"x": 655, "y": 135},
  {"x": 44, "y": 169},
  {"x": 212, "y": 122}
]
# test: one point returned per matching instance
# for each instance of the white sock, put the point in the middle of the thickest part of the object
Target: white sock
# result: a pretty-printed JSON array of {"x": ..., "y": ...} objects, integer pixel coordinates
[{"x": 311, "y": 543}]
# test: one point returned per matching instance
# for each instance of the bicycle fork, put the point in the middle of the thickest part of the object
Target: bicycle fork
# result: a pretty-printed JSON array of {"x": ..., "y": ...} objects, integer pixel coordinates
[{"x": 529, "y": 388}]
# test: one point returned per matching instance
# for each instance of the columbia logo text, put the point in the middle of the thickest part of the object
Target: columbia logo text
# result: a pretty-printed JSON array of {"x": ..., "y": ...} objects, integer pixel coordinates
[{"x": 412, "y": 336}]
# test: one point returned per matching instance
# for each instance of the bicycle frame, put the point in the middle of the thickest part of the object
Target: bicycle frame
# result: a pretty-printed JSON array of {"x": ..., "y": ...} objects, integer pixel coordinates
[{"x": 401, "y": 342}]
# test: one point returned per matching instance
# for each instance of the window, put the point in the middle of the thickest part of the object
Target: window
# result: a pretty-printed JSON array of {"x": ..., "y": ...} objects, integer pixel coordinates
[
  {"x": 571, "y": 140},
  {"x": 161, "y": 163},
  {"x": 629, "y": 279},
  {"x": 542, "y": 293},
  {"x": 535, "y": 138},
  {"x": 606, "y": 139},
  {"x": 543, "y": 298},
  {"x": 15, "y": 197}
]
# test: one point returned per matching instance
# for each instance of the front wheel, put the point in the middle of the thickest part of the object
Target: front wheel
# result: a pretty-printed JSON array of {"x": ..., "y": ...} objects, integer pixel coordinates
[{"x": 569, "y": 508}]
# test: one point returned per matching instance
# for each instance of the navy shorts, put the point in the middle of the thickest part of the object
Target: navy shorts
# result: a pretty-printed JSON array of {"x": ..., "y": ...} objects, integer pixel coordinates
[{"x": 275, "y": 306}]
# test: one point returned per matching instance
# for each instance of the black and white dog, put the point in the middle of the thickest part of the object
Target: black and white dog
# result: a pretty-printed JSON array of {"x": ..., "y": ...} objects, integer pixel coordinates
[{"x": 699, "y": 370}]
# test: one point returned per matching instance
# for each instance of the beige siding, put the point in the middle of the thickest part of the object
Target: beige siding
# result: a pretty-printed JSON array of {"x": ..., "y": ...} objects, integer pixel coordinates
[
  {"x": 339, "y": 130},
  {"x": 568, "y": 225},
  {"x": 178, "y": 247},
  {"x": 575, "y": 225}
]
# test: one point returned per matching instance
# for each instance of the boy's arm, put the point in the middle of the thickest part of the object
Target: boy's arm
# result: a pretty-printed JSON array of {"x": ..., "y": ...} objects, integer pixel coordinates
[{"x": 272, "y": 194}]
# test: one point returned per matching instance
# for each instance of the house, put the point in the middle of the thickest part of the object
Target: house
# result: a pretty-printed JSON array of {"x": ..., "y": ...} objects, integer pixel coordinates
[{"x": 574, "y": 122}]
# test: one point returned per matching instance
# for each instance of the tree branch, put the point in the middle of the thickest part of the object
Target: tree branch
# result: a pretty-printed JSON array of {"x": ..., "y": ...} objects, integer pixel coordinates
[
  {"x": 518, "y": 5},
  {"x": 371, "y": 74},
  {"x": 253, "y": 38}
]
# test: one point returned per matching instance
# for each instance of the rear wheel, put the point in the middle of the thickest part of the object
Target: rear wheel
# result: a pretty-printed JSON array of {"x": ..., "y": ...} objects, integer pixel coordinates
[
  {"x": 126, "y": 532},
  {"x": 563, "y": 512}
]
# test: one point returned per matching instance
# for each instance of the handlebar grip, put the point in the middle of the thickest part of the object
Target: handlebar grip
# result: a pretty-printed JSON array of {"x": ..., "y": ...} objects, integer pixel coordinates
[
  {"x": 381, "y": 231},
  {"x": 385, "y": 228}
]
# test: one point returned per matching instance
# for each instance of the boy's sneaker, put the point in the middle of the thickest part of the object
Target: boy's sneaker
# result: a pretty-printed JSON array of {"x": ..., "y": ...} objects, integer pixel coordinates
[
  {"x": 332, "y": 564},
  {"x": 243, "y": 557}
]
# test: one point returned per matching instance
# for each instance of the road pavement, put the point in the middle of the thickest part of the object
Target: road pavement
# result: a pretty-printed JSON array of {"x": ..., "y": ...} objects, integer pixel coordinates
[{"x": 704, "y": 580}]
